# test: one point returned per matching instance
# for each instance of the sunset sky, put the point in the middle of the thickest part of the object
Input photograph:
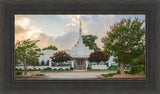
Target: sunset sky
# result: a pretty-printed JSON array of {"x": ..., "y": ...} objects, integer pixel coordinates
[{"x": 62, "y": 30}]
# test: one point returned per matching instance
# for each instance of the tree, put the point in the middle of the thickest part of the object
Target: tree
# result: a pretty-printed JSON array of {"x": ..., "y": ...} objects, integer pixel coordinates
[
  {"x": 89, "y": 40},
  {"x": 60, "y": 56},
  {"x": 140, "y": 60},
  {"x": 125, "y": 41},
  {"x": 98, "y": 56},
  {"x": 42, "y": 62},
  {"x": 51, "y": 47},
  {"x": 27, "y": 53},
  {"x": 33, "y": 57},
  {"x": 47, "y": 62}
]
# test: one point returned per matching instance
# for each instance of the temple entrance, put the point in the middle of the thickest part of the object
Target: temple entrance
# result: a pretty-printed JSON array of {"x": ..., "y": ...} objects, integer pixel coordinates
[{"x": 80, "y": 64}]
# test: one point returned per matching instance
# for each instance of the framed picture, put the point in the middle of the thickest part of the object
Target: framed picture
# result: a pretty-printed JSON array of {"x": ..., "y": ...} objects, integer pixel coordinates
[{"x": 79, "y": 47}]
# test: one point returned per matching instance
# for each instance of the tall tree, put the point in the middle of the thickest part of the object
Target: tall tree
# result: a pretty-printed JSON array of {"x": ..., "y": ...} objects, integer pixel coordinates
[
  {"x": 27, "y": 53},
  {"x": 42, "y": 63},
  {"x": 51, "y": 47},
  {"x": 98, "y": 56},
  {"x": 89, "y": 40},
  {"x": 33, "y": 56},
  {"x": 125, "y": 41},
  {"x": 47, "y": 62},
  {"x": 60, "y": 57}
]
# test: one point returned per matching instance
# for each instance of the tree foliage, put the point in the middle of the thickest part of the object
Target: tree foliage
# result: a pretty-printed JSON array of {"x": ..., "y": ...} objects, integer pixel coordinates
[
  {"x": 98, "y": 56},
  {"x": 27, "y": 53},
  {"x": 47, "y": 62},
  {"x": 125, "y": 41},
  {"x": 51, "y": 47},
  {"x": 140, "y": 60},
  {"x": 42, "y": 63},
  {"x": 89, "y": 40},
  {"x": 60, "y": 56}
]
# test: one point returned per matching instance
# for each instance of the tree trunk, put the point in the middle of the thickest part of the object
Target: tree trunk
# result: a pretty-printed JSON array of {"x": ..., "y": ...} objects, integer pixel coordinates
[
  {"x": 122, "y": 67},
  {"x": 25, "y": 68}
]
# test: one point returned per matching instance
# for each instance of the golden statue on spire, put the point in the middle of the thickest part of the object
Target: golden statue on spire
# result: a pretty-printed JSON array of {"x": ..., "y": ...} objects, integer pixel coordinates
[{"x": 80, "y": 23}]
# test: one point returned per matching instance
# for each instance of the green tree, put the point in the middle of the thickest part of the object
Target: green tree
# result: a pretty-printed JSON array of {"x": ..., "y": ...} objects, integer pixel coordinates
[
  {"x": 125, "y": 41},
  {"x": 89, "y": 40},
  {"x": 140, "y": 60},
  {"x": 51, "y": 47},
  {"x": 27, "y": 53},
  {"x": 42, "y": 62},
  {"x": 47, "y": 62},
  {"x": 33, "y": 57},
  {"x": 60, "y": 57},
  {"x": 98, "y": 56}
]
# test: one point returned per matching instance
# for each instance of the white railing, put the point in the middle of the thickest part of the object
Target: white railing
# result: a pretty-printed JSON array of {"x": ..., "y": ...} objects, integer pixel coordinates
[
  {"x": 42, "y": 67},
  {"x": 102, "y": 67}
]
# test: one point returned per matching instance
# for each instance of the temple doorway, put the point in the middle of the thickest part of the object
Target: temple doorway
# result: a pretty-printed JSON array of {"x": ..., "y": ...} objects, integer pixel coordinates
[{"x": 80, "y": 64}]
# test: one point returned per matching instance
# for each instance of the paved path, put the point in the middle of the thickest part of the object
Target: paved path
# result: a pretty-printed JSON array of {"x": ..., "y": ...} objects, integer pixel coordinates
[
  {"x": 77, "y": 74},
  {"x": 89, "y": 75}
]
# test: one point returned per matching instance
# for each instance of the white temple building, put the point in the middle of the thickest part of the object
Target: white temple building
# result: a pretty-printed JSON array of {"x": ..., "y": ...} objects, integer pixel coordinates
[{"x": 79, "y": 56}]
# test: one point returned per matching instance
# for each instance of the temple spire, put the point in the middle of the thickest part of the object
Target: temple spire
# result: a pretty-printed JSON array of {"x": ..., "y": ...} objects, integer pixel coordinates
[
  {"x": 80, "y": 41},
  {"x": 80, "y": 23}
]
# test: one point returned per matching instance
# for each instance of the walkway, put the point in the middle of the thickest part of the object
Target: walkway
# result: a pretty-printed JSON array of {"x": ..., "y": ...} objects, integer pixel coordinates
[
  {"x": 77, "y": 74},
  {"x": 89, "y": 75}
]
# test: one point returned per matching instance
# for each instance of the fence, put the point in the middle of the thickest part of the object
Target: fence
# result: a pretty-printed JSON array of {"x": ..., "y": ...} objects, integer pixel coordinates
[
  {"x": 41, "y": 67},
  {"x": 102, "y": 67}
]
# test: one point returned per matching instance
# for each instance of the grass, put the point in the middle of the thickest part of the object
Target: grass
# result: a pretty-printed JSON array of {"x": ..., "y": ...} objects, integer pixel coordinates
[
  {"x": 38, "y": 75},
  {"x": 108, "y": 75},
  {"x": 111, "y": 74},
  {"x": 97, "y": 70}
]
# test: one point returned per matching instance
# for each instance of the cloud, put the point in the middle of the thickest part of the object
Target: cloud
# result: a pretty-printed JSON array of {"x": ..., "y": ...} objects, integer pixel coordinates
[
  {"x": 78, "y": 18},
  {"x": 98, "y": 25},
  {"x": 24, "y": 30},
  {"x": 92, "y": 24},
  {"x": 67, "y": 40},
  {"x": 45, "y": 40},
  {"x": 62, "y": 30},
  {"x": 95, "y": 25}
]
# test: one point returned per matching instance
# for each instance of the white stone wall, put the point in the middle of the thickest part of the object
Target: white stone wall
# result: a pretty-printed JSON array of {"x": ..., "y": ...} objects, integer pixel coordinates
[
  {"x": 41, "y": 67},
  {"x": 73, "y": 53},
  {"x": 102, "y": 67}
]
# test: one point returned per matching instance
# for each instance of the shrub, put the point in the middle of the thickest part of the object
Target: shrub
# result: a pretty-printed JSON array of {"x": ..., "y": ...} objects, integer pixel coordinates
[
  {"x": 47, "y": 69},
  {"x": 60, "y": 69},
  {"x": 108, "y": 75},
  {"x": 113, "y": 67},
  {"x": 18, "y": 72},
  {"x": 137, "y": 69},
  {"x": 88, "y": 68},
  {"x": 71, "y": 68},
  {"x": 118, "y": 72},
  {"x": 133, "y": 70},
  {"x": 40, "y": 75},
  {"x": 127, "y": 72},
  {"x": 111, "y": 74},
  {"x": 66, "y": 69},
  {"x": 54, "y": 69}
]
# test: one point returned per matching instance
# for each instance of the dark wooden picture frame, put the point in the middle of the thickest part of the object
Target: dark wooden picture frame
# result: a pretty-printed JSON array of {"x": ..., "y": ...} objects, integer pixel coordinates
[{"x": 148, "y": 86}]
